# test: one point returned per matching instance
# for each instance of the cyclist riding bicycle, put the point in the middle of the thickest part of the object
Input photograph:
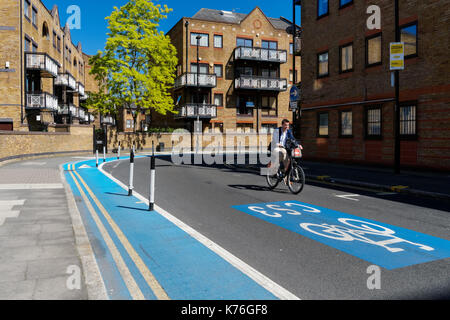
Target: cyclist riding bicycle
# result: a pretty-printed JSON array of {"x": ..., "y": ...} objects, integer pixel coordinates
[{"x": 284, "y": 141}]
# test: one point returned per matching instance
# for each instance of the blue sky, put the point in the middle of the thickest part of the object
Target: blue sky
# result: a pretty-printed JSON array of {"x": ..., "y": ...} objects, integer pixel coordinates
[{"x": 93, "y": 12}]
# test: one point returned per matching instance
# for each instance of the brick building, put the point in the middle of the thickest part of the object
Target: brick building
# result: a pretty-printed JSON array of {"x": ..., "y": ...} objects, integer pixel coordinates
[
  {"x": 244, "y": 70},
  {"x": 42, "y": 73},
  {"x": 347, "y": 95}
]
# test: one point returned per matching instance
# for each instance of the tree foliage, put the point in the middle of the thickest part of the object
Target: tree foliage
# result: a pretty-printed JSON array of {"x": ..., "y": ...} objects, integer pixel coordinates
[{"x": 136, "y": 70}]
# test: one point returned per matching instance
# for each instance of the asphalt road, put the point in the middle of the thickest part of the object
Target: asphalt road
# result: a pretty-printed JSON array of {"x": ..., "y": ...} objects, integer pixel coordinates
[{"x": 203, "y": 196}]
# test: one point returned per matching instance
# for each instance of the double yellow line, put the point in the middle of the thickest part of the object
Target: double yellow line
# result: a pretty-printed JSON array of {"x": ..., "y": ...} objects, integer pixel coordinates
[{"x": 130, "y": 282}]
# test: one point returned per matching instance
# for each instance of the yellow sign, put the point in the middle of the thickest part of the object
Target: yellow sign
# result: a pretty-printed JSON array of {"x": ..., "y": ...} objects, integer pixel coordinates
[{"x": 397, "y": 60}]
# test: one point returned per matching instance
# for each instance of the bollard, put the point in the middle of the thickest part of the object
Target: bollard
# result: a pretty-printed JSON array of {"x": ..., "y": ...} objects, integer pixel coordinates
[
  {"x": 104, "y": 154},
  {"x": 118, "y": 152},
  {"x": 130, "y": 188},
  {"x": 96, "y": 158},
  {"x": 152, "y": 183}
]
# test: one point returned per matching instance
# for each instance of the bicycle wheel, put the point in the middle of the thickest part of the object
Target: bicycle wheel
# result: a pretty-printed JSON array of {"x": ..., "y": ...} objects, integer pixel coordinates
[
  {"x": 272, "y": 180},
  {"x": 296, "y": 180}
]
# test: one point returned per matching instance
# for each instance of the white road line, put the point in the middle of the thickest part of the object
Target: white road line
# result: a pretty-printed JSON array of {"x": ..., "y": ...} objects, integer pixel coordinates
[
  {"x": 31, "y": 186},
  {"x": 258, "y": 277},
  {"x": 6, "y": 210},
  {"x": 348, "y": 196},
  {"x": 34, "y": 164}
]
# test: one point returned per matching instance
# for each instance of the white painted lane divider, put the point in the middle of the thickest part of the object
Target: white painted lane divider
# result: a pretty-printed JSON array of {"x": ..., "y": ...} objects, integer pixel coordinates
[
  {"x": 31, "y": 186},
  {"x": 348, "y": 196},
  {"x": 6, "y": 209}
]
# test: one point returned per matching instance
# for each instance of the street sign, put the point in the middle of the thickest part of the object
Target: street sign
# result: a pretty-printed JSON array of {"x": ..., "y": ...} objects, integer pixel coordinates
[
  {"x": 294, "y": 97},
  {"x": 397, "y": 56},
  {"x": 295, "y": 94}
]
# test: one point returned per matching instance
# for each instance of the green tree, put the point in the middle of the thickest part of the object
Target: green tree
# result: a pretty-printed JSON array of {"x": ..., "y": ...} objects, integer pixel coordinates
[{"x": 136, "y": 70}]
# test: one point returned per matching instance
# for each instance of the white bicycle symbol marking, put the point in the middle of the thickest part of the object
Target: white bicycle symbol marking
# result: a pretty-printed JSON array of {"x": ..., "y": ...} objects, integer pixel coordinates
[{"x": 361, "y": 229}]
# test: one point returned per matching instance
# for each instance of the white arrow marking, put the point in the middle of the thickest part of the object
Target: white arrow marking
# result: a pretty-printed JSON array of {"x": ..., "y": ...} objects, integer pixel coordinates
[
  {"x": 348, "y": 196},
  {"x": 85, "y": 166},
  {"x": 6, "y": 209}
]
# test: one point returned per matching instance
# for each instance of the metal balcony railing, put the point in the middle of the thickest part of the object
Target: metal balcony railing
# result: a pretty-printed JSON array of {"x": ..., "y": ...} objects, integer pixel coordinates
[
  {"x": 80, "y": 87},
  {"x": 107, "y": 120},
  {"x": 260, "y": 54},
  {"x": 42, "y": 62},
  {"x": 194, "y": 110},
  {"x": 260, "y": 83},
  {"x": 190, "y": 80},
  {"x": 66, "y": 79},
  {"x": 42, "y": 100}
]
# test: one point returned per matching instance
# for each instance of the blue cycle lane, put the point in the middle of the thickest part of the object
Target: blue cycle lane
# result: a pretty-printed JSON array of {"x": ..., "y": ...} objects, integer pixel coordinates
[
  {"x": 142, "y": 255},
  {"x": 385, "y": 245}
]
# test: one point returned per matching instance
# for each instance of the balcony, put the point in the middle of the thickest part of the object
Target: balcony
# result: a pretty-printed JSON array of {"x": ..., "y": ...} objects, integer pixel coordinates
[
  {"x": 42, "y": 100},
  {"x": 67, "y": 109},
  {"x": 190, "y": 80},
  {"x": 260, "y": 83},
  {"x": 80, "y": 88},
  {"x": 107, "y": 120},
  {"x": 194, "y": 110},
  {"x": 67, "y": 80},
  {"x": 42, "y": 62},
  {"x": 260, "y": 54}
]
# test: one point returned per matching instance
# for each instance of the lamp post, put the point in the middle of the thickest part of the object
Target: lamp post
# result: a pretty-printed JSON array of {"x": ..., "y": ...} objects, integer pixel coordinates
[{"x": 397, "y": 94}]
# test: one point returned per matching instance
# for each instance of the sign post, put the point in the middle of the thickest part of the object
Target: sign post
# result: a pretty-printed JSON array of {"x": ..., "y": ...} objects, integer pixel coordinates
[{"x": 293, "y": 104}]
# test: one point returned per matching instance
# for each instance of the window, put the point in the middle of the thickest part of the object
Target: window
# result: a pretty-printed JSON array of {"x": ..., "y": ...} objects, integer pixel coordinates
[
  {"x": 245, "y": 105},
  {"x": 322, "y": 65},
  {"x": 268, "y": 106},
  {"x": 244, "y": 71},
  {"x": 269, "y": 73},
  {"x": 346, "y": 54},
  {"x": 27, "y": 45},
  {"x": 26, "y": 8},
  {"x": 129, "y": 124},
  {"x": 408, "y": 120},
  {"x": 218, "y": 41},
  {"x": 322, "y": 8},
  {"x": 218, "y": 70},
  {"x": 373, "y": 122},
  {"x": 218, "y": 99},
  {"x": 218, "y": 127},
  {"x": 345, "y": 3},
  {"x": 59, "y": 44},
  {"x": 34, "y": 16},
  {"x": 242, "y": 42},
  {"x": 203, "y": 68},
  {"x": 35, "y": 47},
  {"x": 409, "y": 37},
  {"x": 269, "y": 45},
  {"x": 346, "y": 123},
  {"x": 268, "y": 128},
  {"x": 373, "y": 50},
  {"x": 323, "y": 124},
  {"x": 244, "y": 127},
  {"x": 291, "y": 48},
  {"x": 202, "y": 42},
  {"x": 54, "y": 39}
]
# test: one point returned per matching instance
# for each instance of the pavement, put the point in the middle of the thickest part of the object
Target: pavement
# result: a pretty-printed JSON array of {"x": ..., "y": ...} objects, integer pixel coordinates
[{"x": 45, "y": 253}]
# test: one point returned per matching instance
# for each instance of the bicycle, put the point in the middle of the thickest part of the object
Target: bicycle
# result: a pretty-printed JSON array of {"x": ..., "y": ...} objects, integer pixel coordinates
[{"x": 295, "y": 174}]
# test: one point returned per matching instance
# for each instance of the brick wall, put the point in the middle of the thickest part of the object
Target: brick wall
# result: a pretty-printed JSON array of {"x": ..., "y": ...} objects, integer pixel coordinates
[
  {"x": 425, "y": 82},
  {"x": 75, "y": 139}
]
